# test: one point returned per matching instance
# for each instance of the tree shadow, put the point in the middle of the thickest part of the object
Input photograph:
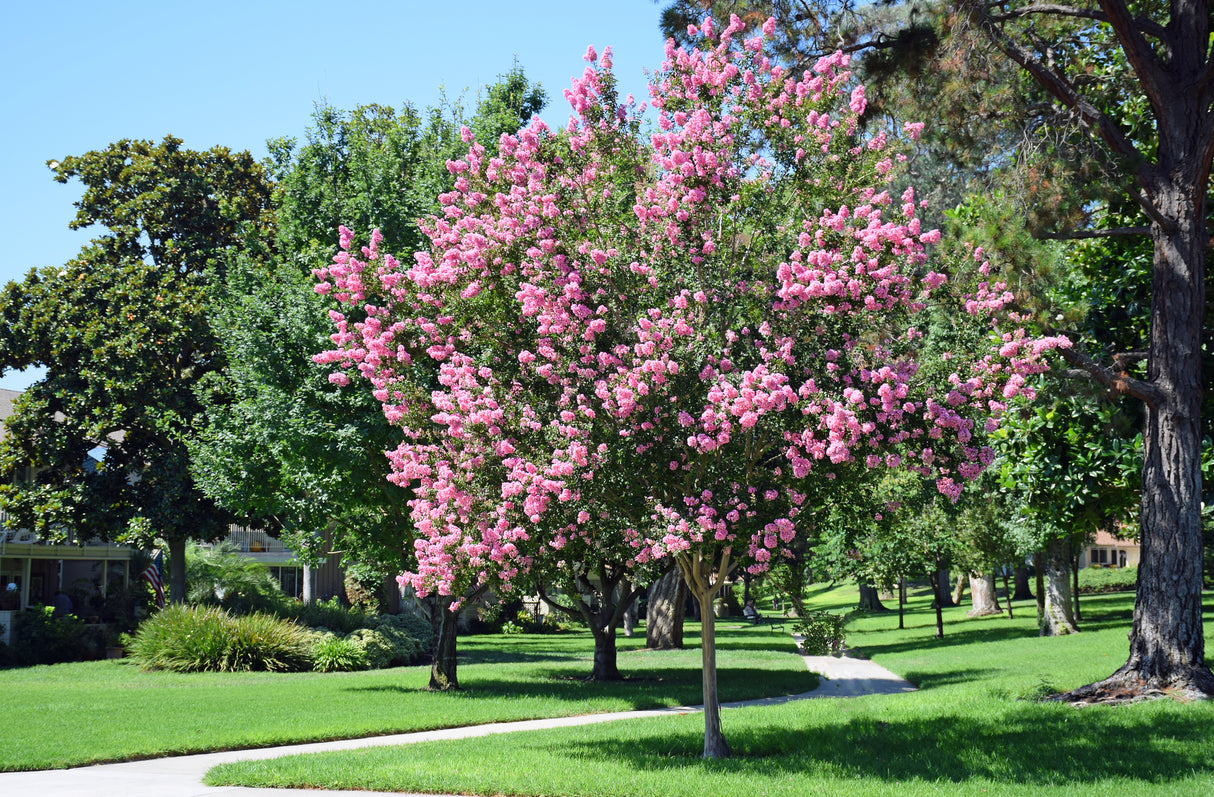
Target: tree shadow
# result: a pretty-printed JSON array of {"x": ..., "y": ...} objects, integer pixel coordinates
[{"x": 1027, "y": 744}]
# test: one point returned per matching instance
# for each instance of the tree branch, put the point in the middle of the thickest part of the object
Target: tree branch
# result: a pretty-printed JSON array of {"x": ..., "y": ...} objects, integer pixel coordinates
[
  {"x": 1144, "y": 25},
  {"x": 1142, "y": 60},
  {"x": 1117, "y": 381},
  {"x": 1076, "y": 235}
]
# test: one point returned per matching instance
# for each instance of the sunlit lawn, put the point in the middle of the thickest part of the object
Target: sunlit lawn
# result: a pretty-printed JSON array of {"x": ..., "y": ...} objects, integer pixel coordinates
[
  {"x": 972, "y": 729},
  {"x": 71, "y": 714}
]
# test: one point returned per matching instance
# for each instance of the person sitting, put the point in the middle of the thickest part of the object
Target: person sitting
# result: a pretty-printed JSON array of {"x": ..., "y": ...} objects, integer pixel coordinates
[{"x": 750, "y": 613}]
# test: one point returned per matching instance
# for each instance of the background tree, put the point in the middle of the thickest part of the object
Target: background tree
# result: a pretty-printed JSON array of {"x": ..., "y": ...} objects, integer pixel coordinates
[
  {"x": 124, "y": 333},
  {"x": 1094, "y": 64}
]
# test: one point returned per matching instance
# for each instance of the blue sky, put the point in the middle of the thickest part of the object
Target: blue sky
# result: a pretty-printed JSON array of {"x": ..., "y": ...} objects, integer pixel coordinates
[{"x": 79, "y": 75}]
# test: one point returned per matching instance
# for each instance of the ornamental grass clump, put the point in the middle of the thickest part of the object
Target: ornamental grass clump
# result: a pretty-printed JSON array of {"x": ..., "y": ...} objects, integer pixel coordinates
[
  {"x": 208, "y": 639},
  {"x": 331, "y": 653}
]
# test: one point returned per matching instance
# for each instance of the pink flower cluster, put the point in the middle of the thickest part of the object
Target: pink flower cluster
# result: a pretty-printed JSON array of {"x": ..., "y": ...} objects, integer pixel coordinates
[{"x": 632, "y": 349}]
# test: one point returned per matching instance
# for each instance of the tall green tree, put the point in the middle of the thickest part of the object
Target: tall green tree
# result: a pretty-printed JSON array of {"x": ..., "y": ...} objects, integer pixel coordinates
[
  {"x": 124, "y": 333},
  {"x": 1092, "y": 63}
]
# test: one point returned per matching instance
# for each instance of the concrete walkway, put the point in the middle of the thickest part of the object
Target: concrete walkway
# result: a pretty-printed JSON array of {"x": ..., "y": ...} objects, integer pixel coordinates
[{"x": 181, "y": 776}]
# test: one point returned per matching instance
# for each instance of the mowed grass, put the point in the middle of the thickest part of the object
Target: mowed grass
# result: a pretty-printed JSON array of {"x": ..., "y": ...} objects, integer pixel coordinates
[
  {"x": 72, "y": 714},
  {"x": 973, "y": 728}
]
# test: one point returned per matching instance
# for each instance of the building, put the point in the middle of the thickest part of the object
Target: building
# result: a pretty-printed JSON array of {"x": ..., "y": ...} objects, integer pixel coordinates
[{"x": 1109, "y": 551}]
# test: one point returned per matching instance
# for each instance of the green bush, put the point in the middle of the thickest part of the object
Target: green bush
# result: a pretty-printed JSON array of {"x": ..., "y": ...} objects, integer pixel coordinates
[
  {"x": 331, "y": 653},
  {"x": 417, "y": 628},
  {"x": 379, "y": 650},
  {"x": 328, "y": 614},
  {"x": 39, "y": 637},
  {"x": 399, "y": 633},
  {"x": 823, "y": 633},
  {"x": 1094, "y": 580},
  {"x": 208, "y": 639},
  {"x": 221, "y": 575}
]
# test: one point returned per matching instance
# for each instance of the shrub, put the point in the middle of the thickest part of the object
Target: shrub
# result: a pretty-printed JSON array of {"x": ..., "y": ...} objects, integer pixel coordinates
[
  {"x": 1093, "y": 580},
  {"x": 331, "y": 653},
  {"x": 208, "y": 639},
  {"x": 39, "y": 637},
  {"x": 822, "y": 632},
  {"x": 328, "y": 614},
  {"x": 222, "y": 575},
  {"x": 379, "y": 650},
  {"x": 402, "y": 631}
]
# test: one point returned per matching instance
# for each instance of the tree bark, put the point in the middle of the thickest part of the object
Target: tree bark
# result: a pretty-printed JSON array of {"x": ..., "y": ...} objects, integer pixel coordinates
[
  {"x": 940, "y": 588},
  {"x": 443, "y": 675},
  {"x": 1039, "y": 567},
  {"x": 1075, "y": 553},
  {"x": 937, "y": 586},
  {"x": 665, "y": 613},
  {"x": 1022, "y": 593},
  {"x": 1058, "y": 618},
  {"x": 630, "y": 609},
  {"x": 870, "y": 599},
  {"x": 177, "y": 585},
  {"x": 605, "y": 667},
  {"x": 982, "y": 595},
  {"x": 698, "y": 572},
  {"x": 1007, "y": 591},
  {"x": 959, "y": 589},
  {"x": 901, "y": 601}
]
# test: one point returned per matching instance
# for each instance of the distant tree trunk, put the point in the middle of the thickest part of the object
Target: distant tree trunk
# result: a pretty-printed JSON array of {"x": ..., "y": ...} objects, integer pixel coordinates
[
  {"x": 870, "y": 599},
  {"x": 901, "y": 601},
  {"x": 630, "y": 610},
  {"x": 937, "y": 586},
  {"x": 1007, "y": 591},
  {"x": 308, "y": 587},
  {"x": 959, "y": 588},
  {"x": 1039, "y": 567},
  {"x": 940, "y": 585},
  {"x": 665, "y": 613},
  {"x": 1075, "y": 553},
  {"x": 177, "y": 585},
  {"x": 982, "y": 595},
  {"x": 1023, "y": 593},
  {"x": 443, "y": 676},
  {"x": 1058, "y": 618}
]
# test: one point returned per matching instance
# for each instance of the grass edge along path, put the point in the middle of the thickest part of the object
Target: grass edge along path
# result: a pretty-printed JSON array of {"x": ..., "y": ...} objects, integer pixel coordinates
[
  {"x": 106, "y": 711},
  {"x": 973, "y": 728}
]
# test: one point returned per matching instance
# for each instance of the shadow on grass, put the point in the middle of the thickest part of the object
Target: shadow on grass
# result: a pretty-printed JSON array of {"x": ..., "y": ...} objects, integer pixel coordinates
[
  {"x": 1028, "y": 744},
  {"x": 640, "y": 690}
]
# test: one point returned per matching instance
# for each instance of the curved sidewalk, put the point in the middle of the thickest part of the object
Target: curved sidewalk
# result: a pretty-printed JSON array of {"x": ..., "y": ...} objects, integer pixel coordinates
[{"x": 181, "y": 776}]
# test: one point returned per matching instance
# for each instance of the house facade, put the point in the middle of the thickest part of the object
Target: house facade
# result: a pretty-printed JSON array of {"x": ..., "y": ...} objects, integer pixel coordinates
[{"x": 1110, "y": 551}]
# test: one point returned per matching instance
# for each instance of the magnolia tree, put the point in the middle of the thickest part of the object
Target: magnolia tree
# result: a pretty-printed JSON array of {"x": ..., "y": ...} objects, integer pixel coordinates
[{"x": 644, "y": 349}]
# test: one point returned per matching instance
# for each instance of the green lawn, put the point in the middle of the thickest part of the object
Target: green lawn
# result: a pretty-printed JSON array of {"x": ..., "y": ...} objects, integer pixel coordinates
[
  {"x": 71, "y": 714},
  {"x": 968, "y": 731}
]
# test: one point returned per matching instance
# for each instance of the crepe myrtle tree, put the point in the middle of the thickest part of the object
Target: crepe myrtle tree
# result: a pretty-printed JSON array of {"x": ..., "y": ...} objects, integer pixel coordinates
[{"x": 653, "y": 344}]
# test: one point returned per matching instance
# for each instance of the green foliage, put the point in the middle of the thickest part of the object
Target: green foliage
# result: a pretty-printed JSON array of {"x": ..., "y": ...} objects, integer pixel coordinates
[
  {"x": 331, "y": 653},
  {"x": 1096, "y": 580},
  {"x": 398, "y": 626},
  {"x": 39, "y": 637},
  {"x": 222, "y": 575},
  {"x": 208, "y": 639},
  {"x": 823, "y": 633},
  {"x": 380, "y": 651},
  {"x": 124, "y": 333},
  {"x": 328, "y": 614}
]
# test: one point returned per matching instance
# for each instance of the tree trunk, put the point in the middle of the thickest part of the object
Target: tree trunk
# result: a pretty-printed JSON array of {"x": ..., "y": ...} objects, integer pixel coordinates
[
  {"x": 1007, "y": 591},
  {"x": 1039, "y": 567},
  {"x": 1075, "y": 552},
  {"x": 959, "y": 589},
  {"x": 177, "y": 585},
  {"x": 937, "y": 586},
  {"x": 1023, "y": 593},
  {"x": 870, "y": 600},
  {"x": 715, "y": 745},
  {"x": 665, "y": 613},
  {"x": 630, "y": 611},
  {"x": 940, "y": 585},
  {"x": 1058, "y": 618},
  {"x": 982, "y": 595},
  {"x": 605, "y": 668},
  {"x": 1167, "y": 646},
  {"x": 308, "y": 588},
  {"x": 901, "y": 601},
  {"x": 443, "y": 676}
]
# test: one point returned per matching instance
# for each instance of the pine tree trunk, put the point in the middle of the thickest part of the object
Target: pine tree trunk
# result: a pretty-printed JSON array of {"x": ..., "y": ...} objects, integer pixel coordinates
[
  {"x": 982, "y": 595},
  {"x": 1058, "y": 618},
  {"x": 443, "y": 675},
  {"x": 665, "y": 613}
]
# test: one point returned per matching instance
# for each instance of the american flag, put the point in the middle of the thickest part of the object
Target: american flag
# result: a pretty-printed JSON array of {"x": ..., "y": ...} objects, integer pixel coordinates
[{"x": 154, "y": 575}]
